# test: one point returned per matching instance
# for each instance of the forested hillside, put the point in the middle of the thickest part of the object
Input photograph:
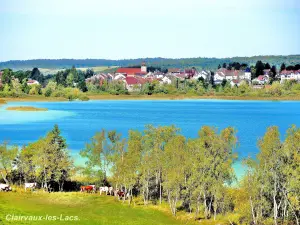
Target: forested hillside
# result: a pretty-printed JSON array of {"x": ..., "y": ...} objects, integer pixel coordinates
[{"x": 202, "y": 63}]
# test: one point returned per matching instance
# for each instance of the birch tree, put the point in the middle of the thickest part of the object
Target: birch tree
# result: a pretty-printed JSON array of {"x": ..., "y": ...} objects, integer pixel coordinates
[{"x": 7, "y": 156}]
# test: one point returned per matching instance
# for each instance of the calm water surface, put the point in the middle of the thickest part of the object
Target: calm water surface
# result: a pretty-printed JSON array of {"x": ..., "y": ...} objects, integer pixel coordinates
[{"x": 79, "y": 121}]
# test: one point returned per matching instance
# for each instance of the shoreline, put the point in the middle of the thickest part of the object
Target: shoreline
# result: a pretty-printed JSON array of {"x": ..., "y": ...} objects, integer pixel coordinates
[{"x": 148, "y": 97}]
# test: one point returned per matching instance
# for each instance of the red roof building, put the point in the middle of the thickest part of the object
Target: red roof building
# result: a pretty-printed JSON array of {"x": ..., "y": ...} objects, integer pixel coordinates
[
  {"x": 132, "y": 81},
  {"x": 133, "y": 71}
]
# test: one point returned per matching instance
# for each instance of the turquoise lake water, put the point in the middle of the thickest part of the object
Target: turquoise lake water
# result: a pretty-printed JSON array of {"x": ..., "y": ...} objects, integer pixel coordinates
[{"x": 79, "y": 121}]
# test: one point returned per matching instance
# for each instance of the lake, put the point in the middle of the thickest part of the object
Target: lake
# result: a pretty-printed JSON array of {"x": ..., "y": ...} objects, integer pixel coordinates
[{"x": 79, "y": 121}]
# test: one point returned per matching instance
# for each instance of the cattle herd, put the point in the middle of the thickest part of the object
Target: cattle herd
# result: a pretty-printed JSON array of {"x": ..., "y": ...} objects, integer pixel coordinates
[
  {"x": 88, "y": 188},
  {"x": 107, "y": 190}
]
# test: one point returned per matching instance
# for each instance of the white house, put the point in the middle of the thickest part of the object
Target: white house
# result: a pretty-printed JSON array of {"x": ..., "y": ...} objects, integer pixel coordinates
[
  {"x": 204, "y": 74},
  {"x": 290, "y": 75},
  {"x": 262, "y": 79},
  {"x": 119, "y": 76},
  {"x": 32, "y": 82},
  {"x": 230, "y": 75},
  {"x": 166, "y": 80}
]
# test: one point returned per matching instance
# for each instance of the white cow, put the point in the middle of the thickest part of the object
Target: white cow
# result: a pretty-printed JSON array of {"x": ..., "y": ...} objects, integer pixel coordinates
[
  {"x": 103, "y": 189},
  {"x": 110, "y": 190},
  {"x": 31, "y": 186},
  {"x": 5, "y": 187}
]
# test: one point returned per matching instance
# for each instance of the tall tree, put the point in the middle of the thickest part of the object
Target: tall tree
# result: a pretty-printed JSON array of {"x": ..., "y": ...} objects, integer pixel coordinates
[
  {"x": 174, "y": 170},
  {"x": 7, "y": 156},
  {"x": 282, "y": 67},
  {"x": 270, "y": 162},
  {"x": 267, "y": 66},
  {"x": 37, "y": 75},
  {"x": 259, "y": 66}
]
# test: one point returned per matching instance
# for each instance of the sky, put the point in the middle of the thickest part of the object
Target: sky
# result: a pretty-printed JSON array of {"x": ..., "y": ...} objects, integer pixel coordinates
[{"x": 124, "y": 29}]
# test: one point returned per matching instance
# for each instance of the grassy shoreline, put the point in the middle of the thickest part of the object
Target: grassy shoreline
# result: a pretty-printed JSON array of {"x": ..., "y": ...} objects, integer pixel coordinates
[
  {"x": 149, "y": 97},
  {"x": 26, "y": 108}
]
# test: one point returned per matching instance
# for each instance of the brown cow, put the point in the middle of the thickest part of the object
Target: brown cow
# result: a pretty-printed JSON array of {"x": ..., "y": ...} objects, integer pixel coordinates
[{"x": 87, "y": 189}]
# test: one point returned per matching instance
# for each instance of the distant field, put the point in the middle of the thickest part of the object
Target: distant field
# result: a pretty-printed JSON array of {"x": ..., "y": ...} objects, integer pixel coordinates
[
  {"x": 81, "y": 207},
  {"x": 96, "y": 69}
]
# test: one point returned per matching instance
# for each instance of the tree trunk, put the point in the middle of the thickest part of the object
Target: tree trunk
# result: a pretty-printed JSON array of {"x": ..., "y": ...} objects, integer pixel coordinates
[
  {"x": 252, "y": 211},
  {"x": 275, "y": 208},
  {"x": 160, "y": 194},
  {"x": 205, "y": 206},
  {"x": 4, "y": 178}
]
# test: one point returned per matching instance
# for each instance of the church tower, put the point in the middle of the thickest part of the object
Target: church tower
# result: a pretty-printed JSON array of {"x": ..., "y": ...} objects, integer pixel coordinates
[{"x": 144, "y": 67}]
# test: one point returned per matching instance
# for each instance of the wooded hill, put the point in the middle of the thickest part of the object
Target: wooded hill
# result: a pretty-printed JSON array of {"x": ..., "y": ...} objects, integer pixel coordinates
[{"x": 201, "y": 63}]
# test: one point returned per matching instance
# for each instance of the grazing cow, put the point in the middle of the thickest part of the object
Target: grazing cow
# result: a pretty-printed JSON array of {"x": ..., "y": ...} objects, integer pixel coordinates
[
  {"x": 86, "y": 188},
  {"x": 31, "y": 186},
  {"x": 103, "y": 189},
  {"x": 110, "y": 190},
  {"x": 121, "y": 194},
  {"x": 94, "y": 187},
  {"x": 5, "y": 187}
]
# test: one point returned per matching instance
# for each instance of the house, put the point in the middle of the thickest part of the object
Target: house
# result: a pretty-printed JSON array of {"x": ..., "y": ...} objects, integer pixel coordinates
[
  {"x": 190, "y": 72},
  {"x": 132, "y": 83},
  {"x": 230, "y": 75},
  {"x": 203, "y": 74},
  {"x": 130, "y": 72},
  {"x": 174, "y": 71},
  {"x": 247, "y": 74},
  {"x": 99, "y": 78},
  {"x": 261, "y": 79},
  {"x": 32, "y": 82},
  {"x": 166, "y": 80},
  {"x": 119, "y": 77},
  {"x": 289, "y": 75}
]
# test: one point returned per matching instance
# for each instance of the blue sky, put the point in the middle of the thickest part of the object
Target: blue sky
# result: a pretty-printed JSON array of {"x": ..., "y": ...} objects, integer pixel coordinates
[{"x": 118, "y": 29}]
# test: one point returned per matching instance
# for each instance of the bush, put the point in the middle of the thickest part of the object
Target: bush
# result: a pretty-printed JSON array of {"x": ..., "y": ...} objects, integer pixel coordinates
[{"x": 48, "y": 93}]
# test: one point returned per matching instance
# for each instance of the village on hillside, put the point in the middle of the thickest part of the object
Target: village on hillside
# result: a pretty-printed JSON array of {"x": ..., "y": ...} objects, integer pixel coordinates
[{"x": 134, "y": 78}]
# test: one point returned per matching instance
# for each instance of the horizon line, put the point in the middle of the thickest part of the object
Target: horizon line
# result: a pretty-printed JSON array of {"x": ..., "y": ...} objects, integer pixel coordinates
[{"x": 146, "y": 58}]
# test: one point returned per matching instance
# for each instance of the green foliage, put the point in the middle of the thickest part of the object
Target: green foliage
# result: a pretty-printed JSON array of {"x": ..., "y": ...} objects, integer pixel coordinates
[
  {"x": 46, "y": 160},
  {"x": 272, "y": 182},
  {"x": 7, "y": 156}
]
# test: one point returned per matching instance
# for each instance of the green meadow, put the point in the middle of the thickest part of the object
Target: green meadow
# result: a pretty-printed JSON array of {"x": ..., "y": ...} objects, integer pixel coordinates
[{"x": 77, "y": 208}]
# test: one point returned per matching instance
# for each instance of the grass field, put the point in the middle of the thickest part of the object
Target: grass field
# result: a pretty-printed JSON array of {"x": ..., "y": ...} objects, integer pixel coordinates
[
  {"x": 97, "y": 69},
  {"x": 89, "y": 208}
]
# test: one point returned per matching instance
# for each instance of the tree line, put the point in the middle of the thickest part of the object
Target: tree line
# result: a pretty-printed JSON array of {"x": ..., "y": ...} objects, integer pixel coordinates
[
  {"x": 159, "y": 164},
  {"x": 201, "y": 63},
  {"x": 69, "y": 83}
]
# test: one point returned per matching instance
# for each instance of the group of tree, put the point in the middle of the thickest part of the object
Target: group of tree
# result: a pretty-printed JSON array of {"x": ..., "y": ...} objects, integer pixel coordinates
[
  {"x": 234, "y": 66},
  {"x": 159, "y": 164},
  {"x": 69, "y": 83},
  {"x": 272, "y": 182},
  {"x": 45, "y": 161}
]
